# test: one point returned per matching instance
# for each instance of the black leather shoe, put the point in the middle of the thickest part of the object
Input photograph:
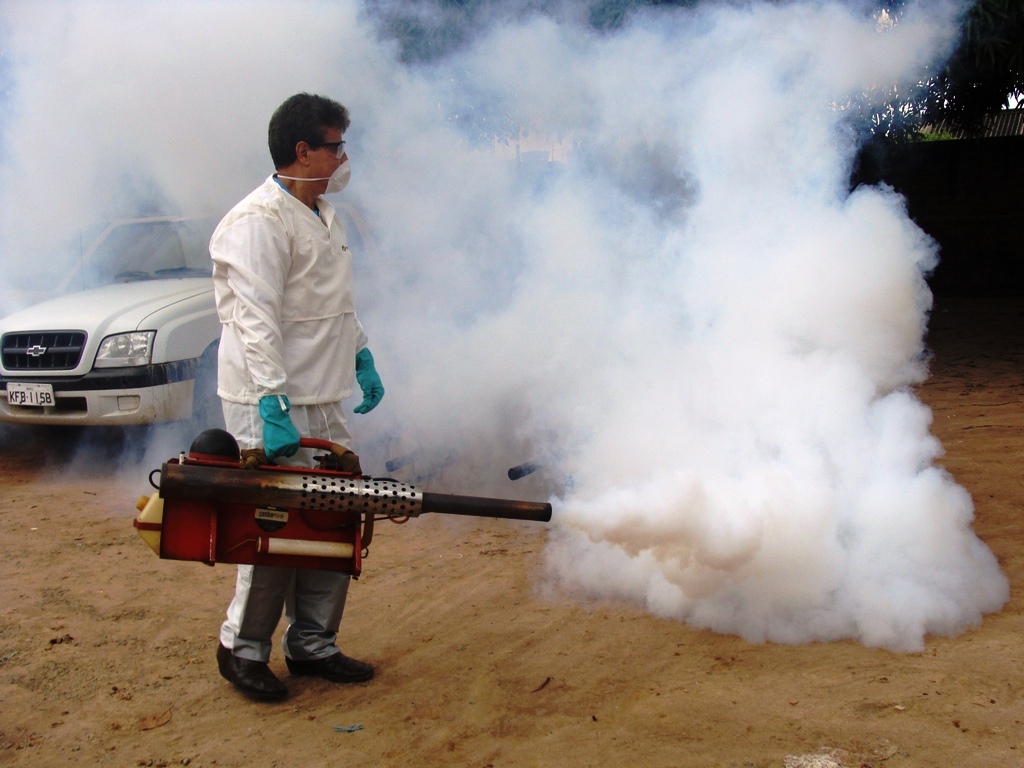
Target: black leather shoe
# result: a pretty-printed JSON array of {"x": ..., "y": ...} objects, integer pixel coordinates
[
  {"x": 337, "y": 668},
  {"x": 253, "y": 678}
]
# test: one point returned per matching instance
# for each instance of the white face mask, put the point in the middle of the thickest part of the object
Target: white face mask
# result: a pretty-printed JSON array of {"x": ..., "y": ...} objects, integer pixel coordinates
[
  {"x": 339, "y": 179},
  {"x": 336, "y": 182}
]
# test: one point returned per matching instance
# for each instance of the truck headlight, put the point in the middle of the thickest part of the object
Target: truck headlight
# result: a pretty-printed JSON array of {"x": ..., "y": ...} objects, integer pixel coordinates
[{"x": 125, "y": 349}]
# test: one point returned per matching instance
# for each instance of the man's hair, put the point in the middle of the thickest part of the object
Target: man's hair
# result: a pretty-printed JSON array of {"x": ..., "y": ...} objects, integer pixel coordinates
[{"x": 302, "y": 117}]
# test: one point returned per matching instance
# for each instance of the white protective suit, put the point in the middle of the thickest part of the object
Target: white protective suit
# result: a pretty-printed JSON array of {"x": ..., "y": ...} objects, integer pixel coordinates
[
  {"x": 282, "y": 280},
  {"x": 283, "y": 284}
]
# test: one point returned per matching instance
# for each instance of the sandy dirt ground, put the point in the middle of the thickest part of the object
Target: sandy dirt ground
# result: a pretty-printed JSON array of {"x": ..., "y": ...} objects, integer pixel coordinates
[{"x": 107, "y": 652}]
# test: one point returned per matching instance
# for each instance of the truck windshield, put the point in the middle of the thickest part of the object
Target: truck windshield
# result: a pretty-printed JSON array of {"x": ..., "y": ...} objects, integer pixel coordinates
[{"x": 148, "y": 249}]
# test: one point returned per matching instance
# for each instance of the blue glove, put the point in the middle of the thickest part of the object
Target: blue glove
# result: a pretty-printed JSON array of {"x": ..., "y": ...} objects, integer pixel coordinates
[
  {"x": 280, "y": 438},
  {"x": 368, "y": 380}
]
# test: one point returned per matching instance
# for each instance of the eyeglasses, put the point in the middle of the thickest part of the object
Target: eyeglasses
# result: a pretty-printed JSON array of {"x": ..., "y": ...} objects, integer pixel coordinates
[{"x": 339, "y": 146}]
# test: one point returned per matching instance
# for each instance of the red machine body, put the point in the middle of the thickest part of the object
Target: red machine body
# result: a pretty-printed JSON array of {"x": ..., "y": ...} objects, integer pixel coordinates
[
  {"x": 209, "y": 509},
  {"x": 225, "y": 532}
]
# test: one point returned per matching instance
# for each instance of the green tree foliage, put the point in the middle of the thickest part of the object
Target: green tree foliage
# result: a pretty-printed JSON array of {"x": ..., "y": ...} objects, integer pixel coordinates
[{"x": 985, "y": 71}]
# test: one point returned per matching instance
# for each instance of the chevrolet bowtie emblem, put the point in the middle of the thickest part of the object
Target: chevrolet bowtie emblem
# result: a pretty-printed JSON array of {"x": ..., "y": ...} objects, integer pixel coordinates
[{"x": 36, "y": 350}]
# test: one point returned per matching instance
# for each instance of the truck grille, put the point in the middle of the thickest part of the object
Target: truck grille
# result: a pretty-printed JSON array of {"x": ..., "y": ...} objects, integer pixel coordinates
[{"x": 42, "y": 350}]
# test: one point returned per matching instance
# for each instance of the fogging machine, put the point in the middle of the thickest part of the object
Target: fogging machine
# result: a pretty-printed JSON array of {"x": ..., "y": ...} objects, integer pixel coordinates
[{"x": 207, "y": 508}]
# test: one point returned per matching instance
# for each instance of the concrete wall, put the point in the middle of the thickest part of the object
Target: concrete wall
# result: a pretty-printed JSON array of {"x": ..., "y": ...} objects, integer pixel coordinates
[{"x": 969, "y": 196}]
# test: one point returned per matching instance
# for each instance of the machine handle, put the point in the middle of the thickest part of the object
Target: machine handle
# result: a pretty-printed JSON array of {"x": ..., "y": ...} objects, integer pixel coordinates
[{"x": 327, "y": 445}]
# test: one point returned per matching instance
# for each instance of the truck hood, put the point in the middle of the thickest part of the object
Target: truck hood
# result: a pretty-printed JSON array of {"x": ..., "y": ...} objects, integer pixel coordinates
[{"x": 120, "y": 306}]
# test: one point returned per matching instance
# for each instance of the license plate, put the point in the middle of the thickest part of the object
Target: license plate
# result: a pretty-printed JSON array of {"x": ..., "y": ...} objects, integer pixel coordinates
[{"x": 29, "y": 394}]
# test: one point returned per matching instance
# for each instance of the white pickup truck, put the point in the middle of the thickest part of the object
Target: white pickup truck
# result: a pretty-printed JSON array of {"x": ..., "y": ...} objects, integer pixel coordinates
[{"x": 134, "y": 343}]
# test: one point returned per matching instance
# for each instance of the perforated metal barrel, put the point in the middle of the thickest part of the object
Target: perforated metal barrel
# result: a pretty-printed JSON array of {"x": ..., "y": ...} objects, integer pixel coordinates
[
  {"x": 381, "y": 497},
  {"x": 330, "y": 491}
]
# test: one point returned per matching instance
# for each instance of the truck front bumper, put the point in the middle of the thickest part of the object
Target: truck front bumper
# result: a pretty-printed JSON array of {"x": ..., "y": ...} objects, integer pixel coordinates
[{"x": 143, "y": 394}]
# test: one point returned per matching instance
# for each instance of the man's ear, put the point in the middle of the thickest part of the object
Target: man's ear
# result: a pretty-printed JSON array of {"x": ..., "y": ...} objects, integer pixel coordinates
[{"x": 302, "y": 150}]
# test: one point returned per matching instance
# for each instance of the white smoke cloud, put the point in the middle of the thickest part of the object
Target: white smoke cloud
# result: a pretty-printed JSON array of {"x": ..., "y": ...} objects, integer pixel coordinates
[
  {"x": 117, "y": 108},
  {"x": 703, "y": 338}
]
